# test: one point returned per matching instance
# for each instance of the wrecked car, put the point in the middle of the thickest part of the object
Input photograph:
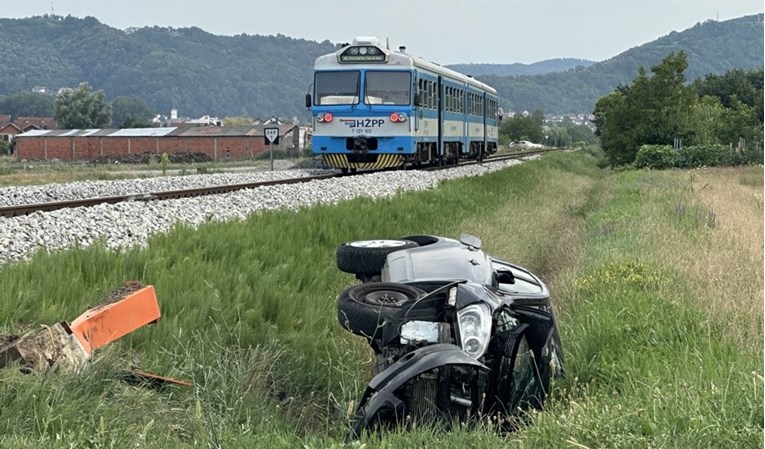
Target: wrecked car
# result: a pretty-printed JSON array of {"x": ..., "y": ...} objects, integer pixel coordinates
[{"x": 457, "y": 334}]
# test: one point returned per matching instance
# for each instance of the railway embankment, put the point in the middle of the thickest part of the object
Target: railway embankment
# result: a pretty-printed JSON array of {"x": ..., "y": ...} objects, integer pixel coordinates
[{"x": 656, "y": 277}]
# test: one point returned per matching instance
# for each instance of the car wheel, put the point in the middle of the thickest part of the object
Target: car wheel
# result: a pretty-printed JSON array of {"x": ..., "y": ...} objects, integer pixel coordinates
[
  {"x": 367, "y": 257},
  {"x": 363, "y": 308}
]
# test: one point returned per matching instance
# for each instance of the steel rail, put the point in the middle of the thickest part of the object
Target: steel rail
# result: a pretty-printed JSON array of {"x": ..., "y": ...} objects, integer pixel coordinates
[{"x": 26, "y": 209}]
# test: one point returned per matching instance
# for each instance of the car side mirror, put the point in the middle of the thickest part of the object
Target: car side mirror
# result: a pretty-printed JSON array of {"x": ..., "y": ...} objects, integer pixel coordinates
[
  {"x": 504, "y": 276},
  {"x": 417, "y": 99},
  {"x": 308, "y": 100}
]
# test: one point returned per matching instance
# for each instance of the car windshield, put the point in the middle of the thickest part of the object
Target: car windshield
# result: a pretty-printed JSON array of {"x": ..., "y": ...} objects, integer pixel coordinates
[
  {"x": 387, "y": 88},
  {"x": 336, "y": 87}
]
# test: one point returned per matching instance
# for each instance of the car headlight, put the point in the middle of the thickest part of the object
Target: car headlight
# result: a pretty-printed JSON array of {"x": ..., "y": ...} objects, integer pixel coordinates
[{"x": 475, "y": 328}]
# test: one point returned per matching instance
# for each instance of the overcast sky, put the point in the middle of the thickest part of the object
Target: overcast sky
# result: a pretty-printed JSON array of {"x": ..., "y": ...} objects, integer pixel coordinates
[{"x": 443, "y": 31}]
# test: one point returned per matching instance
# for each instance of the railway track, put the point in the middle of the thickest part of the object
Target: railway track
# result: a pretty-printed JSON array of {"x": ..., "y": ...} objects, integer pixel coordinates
[{"x": 26, "y": 209}]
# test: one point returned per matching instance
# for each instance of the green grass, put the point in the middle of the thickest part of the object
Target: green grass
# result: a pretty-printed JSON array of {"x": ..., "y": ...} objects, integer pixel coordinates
[{"x": 249, "y": 317}]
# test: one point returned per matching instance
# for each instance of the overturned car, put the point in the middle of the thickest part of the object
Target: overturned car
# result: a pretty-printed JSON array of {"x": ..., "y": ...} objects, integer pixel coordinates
[{"x": 457, "y": 333}]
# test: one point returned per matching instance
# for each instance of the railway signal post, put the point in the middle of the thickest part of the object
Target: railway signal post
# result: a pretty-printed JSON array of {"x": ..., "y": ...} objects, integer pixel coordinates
[{"x": 272, "y": 137}]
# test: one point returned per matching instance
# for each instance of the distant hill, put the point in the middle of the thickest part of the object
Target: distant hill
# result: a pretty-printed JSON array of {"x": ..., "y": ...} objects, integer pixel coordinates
[
  {"x": 711, "y": 47},
  {"x": 200, "y": 73},
  {"x": 537, "y": 68},
  {"x": 190, "y": 69}
]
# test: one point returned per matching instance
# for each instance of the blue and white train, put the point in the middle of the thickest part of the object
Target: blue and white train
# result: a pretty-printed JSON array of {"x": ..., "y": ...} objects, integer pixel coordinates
[{"x": 376, "y": 108}]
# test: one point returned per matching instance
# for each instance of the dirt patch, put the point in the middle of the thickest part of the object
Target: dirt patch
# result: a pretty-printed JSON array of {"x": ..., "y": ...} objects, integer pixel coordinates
[
  {"x": 119, "y": 293},
  {"x": 6, "y": 339},
  {"x": 49, "y": 348}
]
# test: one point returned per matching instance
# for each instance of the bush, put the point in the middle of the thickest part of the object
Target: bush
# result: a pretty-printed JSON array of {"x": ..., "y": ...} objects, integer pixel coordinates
[
  {"x": 749, "y": 155},
  {"x": 655, "y": 156},
  {"x": 5, "y": 147},
  {"x": 706, "y": 156}
]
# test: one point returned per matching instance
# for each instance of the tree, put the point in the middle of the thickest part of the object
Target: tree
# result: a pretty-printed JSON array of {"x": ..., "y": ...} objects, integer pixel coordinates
[
  {"x": 650, "y": 111},
  {"x": 740, "y": 95},
  {"x": 612, "y": 125},
  {"x": 82, "y": 108},
  {"x": 706, "y": 120},
  {"x": 28, "y": 104},
  {"x": 131, "y": 112},
  {"x": 237, "y": 121},
  {"x": 522, "y": 127}
]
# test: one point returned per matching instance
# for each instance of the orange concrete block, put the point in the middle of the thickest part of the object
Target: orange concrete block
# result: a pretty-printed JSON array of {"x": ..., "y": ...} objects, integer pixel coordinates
[{"x": 116, "y": 318}]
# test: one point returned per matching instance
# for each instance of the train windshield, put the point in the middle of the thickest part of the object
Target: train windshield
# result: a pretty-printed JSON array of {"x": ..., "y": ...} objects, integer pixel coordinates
[
  {"x": 387, "y": 87},
  {"x": 337, "y": 87}
]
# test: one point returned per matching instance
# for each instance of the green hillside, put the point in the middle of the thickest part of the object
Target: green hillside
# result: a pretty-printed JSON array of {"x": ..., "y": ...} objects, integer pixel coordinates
[
  {"x": 190, "y": 69},
  {"x": 711, "y": 47},
  {"x": 537, "y": 68},
  {"x": 200, "y": 73}
]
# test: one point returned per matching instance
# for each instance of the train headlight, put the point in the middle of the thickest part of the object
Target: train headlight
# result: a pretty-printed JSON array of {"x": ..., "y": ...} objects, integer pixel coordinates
[
  {"x": 397, "y": 117},
  {"x": 475, "y": 329},
  {"x": 324, "y": 117},
  {"x": 363, "y": 50}
]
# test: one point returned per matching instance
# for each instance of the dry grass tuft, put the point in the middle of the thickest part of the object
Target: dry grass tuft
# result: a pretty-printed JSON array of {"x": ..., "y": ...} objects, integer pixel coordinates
[
  {"x": 723, "y": 258},
  {"x": 541, "y": 231}
]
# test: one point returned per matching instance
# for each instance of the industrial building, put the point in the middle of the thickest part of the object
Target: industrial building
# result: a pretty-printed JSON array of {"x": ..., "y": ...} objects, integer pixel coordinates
[{"x": 218, "y": 143}]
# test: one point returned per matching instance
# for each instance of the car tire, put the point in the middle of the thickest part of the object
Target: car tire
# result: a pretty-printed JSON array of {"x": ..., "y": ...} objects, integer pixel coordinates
[
  {"x": 363, "y": 308},
  {"x": 367, "y": 257}
]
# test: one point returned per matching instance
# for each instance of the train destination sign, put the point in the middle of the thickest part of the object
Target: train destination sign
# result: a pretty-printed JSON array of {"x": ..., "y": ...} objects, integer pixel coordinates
[
  {"x": 362, "y": 54},
  {"x": 362, "y": 58}
]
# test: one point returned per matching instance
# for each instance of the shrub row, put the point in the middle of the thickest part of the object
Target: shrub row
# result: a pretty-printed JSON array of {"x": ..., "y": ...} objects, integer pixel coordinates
[{"x": 664, "y": 156}]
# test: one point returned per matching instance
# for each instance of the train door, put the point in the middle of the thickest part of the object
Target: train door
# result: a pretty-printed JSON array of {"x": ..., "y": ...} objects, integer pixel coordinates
[
  {"x": 465, "y": 117},
  {"x": 440, "y": 108},
  {"x": 482, "y": 151},
  {"x": 416, "y": 103}
]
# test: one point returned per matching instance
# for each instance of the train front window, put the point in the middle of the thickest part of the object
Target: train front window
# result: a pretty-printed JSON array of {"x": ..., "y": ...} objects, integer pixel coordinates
[
  {"x": 337, "y": 87},
  {"x": 388, "y": 88}
]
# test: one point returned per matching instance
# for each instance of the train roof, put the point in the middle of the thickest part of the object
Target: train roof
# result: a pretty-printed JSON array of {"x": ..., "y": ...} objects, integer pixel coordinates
[{"x": 395, "y": 60}]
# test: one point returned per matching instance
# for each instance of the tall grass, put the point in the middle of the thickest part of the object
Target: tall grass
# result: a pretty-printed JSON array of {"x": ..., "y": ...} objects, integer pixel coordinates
[
  {"x": 664, "y": 354},
  {"x": 249, "y": 317}
]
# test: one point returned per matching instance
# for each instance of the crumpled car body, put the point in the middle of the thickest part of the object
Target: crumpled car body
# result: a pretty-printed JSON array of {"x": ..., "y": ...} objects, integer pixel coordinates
[{"x": 457, "y": 334}]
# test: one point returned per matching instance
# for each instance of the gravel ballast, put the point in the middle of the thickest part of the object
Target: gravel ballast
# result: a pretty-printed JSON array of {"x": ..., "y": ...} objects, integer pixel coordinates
[{"x": 127, "y": 224}]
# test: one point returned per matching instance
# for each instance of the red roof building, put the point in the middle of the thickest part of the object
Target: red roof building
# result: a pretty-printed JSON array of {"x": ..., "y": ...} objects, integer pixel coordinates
[
  {"x": 216, "y": 142},
  {"x": 9, "y": 131},
  {"x": 28, "y": 123}
]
